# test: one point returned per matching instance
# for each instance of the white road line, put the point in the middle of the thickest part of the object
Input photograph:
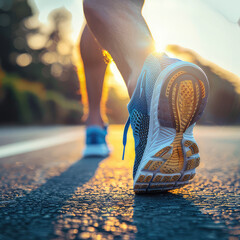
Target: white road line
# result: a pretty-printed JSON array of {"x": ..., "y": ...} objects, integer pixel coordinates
[{"x": 37, "y": 144}]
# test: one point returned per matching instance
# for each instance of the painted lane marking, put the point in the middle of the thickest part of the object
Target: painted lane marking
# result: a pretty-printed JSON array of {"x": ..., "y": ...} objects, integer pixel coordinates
[{"x": 37, "y": 144}]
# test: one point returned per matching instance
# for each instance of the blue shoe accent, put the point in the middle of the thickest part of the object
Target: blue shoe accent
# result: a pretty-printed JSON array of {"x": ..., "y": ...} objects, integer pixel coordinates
[
  {"x": 95, "y": 135},
  {"x": 96, "y": 142},
  {"x": 125, "y": 136}
]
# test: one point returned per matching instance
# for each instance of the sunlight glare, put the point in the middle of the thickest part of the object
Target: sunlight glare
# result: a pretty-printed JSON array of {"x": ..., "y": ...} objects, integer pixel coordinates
[
  {"x": 116, "y": 73},
  {"x": 160, "y": 47}
]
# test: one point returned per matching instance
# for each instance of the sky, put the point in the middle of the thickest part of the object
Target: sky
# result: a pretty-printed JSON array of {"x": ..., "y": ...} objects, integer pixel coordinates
[{"x": 209, "y": 27}]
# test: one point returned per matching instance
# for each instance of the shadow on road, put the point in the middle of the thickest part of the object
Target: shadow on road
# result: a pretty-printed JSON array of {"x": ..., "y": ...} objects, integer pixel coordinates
[
  {"x": 32, "y": 216},
  {"x": 171, "y": 216}
]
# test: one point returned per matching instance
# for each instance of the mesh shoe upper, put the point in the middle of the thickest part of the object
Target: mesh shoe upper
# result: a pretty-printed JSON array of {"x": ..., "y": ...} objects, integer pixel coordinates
[{"x": 139, "y": 105}]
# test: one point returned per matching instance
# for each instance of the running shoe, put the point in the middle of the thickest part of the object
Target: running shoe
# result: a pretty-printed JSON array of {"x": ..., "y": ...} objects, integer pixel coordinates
[
  {"x": 168, "y": 100},
  {"x": 96, "y": 145}
]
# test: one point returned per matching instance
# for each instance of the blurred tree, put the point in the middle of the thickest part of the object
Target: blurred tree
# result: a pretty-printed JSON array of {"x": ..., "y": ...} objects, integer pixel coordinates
[
  {"x": 58, "y": 53},
  {"x": 12, "y": 40},
  {"x": 36, "y": 53}
]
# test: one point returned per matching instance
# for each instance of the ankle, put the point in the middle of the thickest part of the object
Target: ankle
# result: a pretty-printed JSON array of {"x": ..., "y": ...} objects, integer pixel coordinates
[{"x": 95, "y": 119}]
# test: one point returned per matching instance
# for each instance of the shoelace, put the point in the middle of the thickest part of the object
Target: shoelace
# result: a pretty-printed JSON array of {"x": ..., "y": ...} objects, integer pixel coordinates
[{"x": 125, "y": 136}]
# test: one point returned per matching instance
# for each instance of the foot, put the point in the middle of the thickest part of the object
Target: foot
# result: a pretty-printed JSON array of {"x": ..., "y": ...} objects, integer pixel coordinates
[
  {"x": 96, "y": 145},
  {"x": 169, "y": 98}
]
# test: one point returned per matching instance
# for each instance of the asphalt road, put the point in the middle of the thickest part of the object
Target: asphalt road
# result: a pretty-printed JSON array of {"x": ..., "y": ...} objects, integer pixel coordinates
[{"x": 52, "y": 193}]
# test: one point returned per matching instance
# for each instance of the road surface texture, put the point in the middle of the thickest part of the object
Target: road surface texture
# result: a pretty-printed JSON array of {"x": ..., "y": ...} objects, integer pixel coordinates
[{"x": 52, "y": 193}]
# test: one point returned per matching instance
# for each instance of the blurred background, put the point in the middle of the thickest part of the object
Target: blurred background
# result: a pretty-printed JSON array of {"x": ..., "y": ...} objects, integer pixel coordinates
[{"x": 42, "y": 77}]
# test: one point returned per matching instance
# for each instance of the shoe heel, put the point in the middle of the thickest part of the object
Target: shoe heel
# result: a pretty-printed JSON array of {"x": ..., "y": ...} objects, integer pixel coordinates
[{"x": 184, "y": 85}]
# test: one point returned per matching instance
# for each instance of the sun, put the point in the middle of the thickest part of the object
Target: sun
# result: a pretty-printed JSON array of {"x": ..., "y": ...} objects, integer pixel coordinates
[{"x": 160, "y": 47}]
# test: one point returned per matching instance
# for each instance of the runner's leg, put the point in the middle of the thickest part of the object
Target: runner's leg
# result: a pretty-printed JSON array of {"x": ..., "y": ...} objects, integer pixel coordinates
[
  {"x": 121, "y": 29},
  {"x": 94, "y": 68}
]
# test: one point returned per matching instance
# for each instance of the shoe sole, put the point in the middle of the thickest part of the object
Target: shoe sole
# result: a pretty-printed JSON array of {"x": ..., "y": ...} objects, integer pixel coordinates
[
  {"x": 171, "y": 154},
  {"x": 97, "y": 150}
]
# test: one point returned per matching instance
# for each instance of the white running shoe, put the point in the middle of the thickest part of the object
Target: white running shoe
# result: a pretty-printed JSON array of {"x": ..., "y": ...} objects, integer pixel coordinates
[{"x": 169, "y": 98}]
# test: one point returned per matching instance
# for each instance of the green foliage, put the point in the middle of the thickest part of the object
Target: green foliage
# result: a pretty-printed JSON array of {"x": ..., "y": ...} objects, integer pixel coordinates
[{"x": 36, "y": 106}]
